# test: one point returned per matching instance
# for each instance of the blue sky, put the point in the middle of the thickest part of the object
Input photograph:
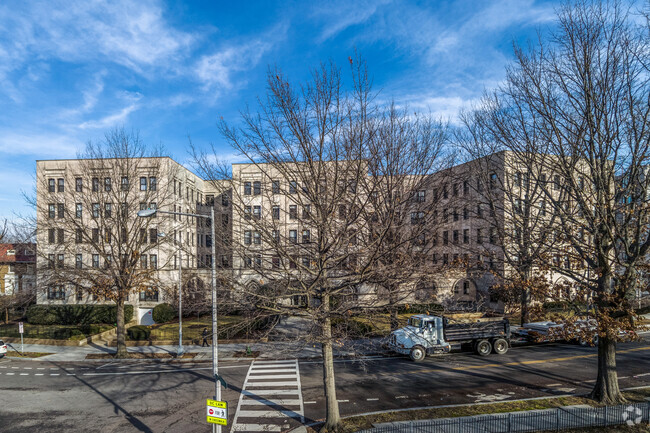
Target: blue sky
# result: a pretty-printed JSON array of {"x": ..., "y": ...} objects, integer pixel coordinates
[{"x": 71, "y": 70}]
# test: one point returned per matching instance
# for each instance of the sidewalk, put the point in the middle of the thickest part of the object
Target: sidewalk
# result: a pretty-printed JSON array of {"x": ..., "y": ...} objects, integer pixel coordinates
[{"x": 227, "y": 351}]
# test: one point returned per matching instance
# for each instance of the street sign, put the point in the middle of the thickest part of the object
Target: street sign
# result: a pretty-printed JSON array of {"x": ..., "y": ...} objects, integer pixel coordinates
[
  {"x": 217, "y": 412},
  {"x": 20, "y": 327}
]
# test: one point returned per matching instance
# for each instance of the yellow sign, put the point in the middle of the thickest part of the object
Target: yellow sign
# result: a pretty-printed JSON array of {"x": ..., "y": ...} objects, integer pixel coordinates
[
  {"x": 214, "y": 420},
  {"x": 217, "y": 403},
  {"x": 217, "y": 412}
]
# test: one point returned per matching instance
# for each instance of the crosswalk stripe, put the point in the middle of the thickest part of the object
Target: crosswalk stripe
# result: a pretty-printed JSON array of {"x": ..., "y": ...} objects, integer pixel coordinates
[
  {"x": 264, "y": 402},
  {"x": 264, "y": 374}
]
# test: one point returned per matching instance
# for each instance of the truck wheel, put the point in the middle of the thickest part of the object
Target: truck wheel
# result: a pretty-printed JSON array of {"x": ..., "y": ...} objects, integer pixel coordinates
[
  {"x": 418, "y": 353},
  {"x": 483, "y": 348},
  {"x": 500, "y": 346}
]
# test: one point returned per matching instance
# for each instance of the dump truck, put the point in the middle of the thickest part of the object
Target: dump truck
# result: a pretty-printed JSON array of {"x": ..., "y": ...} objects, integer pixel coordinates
[{"x": 426, "y": 335}]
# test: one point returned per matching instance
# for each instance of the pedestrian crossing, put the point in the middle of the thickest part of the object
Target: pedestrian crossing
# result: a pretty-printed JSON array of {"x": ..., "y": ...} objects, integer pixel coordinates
[{"x": 270, "y": 398}]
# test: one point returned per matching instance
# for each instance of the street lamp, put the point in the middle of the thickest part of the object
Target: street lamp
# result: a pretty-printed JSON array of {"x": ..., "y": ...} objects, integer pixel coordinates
[
  {"x": 146, "y": 213},
  {"x": 180, "y": 351}
]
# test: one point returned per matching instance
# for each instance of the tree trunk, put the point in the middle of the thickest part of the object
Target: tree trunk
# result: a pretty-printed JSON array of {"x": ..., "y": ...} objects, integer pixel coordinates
[
  {"x": 333, "y": 417},
  {"x": 525, "y": 304},
  {"x": 606, "y": 389},
  {"x": 121, "y": 331},
  {"x": 6, "y": 315}
]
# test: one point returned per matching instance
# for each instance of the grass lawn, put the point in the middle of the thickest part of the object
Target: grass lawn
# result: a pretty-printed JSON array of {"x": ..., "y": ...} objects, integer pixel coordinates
[
  {"x": 357, "y": 423},
  {"x": 54, "y": 332},
  {"x": 229, "y": 327}
]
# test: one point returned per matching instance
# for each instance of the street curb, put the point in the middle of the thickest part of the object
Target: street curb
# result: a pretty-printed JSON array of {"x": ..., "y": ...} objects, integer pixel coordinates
[{"x": 297, "y": 429}]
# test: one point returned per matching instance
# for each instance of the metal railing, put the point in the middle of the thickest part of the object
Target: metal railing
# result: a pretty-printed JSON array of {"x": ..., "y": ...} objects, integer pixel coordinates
[{"x": 530, "y": 421}]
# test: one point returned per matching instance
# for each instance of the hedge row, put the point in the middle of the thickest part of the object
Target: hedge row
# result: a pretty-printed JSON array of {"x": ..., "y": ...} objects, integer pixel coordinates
[
  {"x": 76, "y": 314},
  {"x": 420, "y": 308},
  {"x": 56, "y": 332},
  {"x": 139, "y": 332},
  {"x": 163, "y": 313}
]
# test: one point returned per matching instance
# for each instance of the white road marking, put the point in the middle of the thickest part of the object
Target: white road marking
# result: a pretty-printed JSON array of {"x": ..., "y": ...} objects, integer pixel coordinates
[
  {"x": 256, "y": 427},
  {"x": 10, "y": 374},
  {"x": 38, "y": 374},
  {"x": 29, "y": 368},
  {"x": 308, "y": 402},
  {"x": 372, "y": 399},
  {"x": 54, "y": 374},
  {"x": 15, "y": 367},
  {"x": 278, "y": 361},
  {"x": 402, "y": 396},
  {"x": 343, "y": 401},
  {"x": 554, "y": 384},
  {"x": 274, "y": 376},
  {"x": 40, "y": 368},
  {"x": 642, "y": 374},
  {"x": 250, "y": 402},
  {"x": 24, "y": 374}
]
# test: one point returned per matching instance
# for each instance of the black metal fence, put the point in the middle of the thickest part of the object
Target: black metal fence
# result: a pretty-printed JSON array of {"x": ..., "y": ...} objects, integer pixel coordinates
[{"x": 531, "y": 421}]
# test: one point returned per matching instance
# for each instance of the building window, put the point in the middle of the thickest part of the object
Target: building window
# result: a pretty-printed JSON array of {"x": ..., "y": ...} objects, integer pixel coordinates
[
  {"x": 108, "y": 210},
  {"x": 556, "y": 182},
  {"x": 479, "y": 211},
  {"x": 79, "y": 236},
  {"x": 224, "y": 221},
  {"x": 153, "y": 236},
  {"x": 293, "y": 187},
  {"x": 60, "y": 235},
  {"x": 479, "y": 236},
  {"x": 149, "y": 295},
  {"x": 276, "y": 262},
  {"x": 60, "y": 261},
  {"x": 78, "y": 210},
  {"x": 95, "y": 210},
  {"x": 275, "y": 187},
  {"x": 455, "y": 214},
  {"x": 78, "y": 262},
  {"x": 108, "y": 186},
  {"x": 420, "y": 196},
  {"x": 293, "y": 236},
  {"x": 79, "y": 293},
  {"x": 466, "y": 236},
  {"x": 247, "y": 188},
  {"x": 465, "y": 213},
  {"x": 95, "y": 184},
  {"x": 79, "y": 184},
  {"x": 306, "y": 236},
  {"x": 293, "y": 212},
  {"x": 257, "y": 187},
  {"x": 465, "y": 187},
  {"x": 493, "y": 180},
  {"x": 445, "y": 238},
  {"x": 50, "y": 261},
  {"x": 124, "y": 183},
  {"x": 143, "y": 184},
  {"x": 493, "y": 236},
  {"x": 153, "y": 261},
  {"x": 153, "y": 183},
  {"x": 57, "y": 292},
  {"x": 247, "y": 237},
  {"x": 455, "y": 236},
  {"x": 306, "y": 212},
  {"x": 61, "y": 185},
  {"x": 455, "y": 190},
  {"x": 257, "y": 238},
  {"x": 465, "y": 287},
  {"x": 51, "y": 185},
  {"x": 276, "y": 212},
  {"x": 224, "y": 200},
  {"x": 293, "y": 262},
  {"x": 247, "y": 212},
  {"x": 257, "y": 212},
  {"x": 60, "y": 210},
  {"x": 51, "y": 236},
  {"x": 445, "y": 193},
  {"x": 95, "y": 235},
  {"x": 275, "y": 234},
  {"x": 51, "y": 211},
  {"x": 107, "y": 236},
  {"x": 306, "y": 263}
]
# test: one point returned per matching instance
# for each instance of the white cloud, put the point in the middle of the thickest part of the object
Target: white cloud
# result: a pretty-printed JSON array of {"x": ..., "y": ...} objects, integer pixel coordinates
[
  {"x": 110, "y": 120},
  {"x": 43, "y": 145},
  {"x": 339, "y": 17},
  {"x": 133, "y": 34}
]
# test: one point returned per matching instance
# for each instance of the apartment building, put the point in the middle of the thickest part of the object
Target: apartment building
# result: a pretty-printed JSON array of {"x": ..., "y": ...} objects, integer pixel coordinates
[
  {"x": 17, "y": 268},
  {"x": 87, "y": 209},
  {"x": 87, "y": 226}
]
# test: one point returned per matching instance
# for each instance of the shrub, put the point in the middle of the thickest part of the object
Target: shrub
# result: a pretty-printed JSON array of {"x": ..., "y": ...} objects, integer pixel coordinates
[
  {"x": 75, "y": 314},
  {"x": 432, "y": 308},
  {"x": 139, "y": 332},
  {"x": 163, "y": 313}
]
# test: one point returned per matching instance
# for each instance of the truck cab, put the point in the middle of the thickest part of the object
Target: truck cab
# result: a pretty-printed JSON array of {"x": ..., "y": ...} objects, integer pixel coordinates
[{"x": 423, "y": 335}]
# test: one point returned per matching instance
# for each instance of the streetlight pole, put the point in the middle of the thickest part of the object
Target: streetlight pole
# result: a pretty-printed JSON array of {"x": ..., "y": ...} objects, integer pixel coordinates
[{"x": 215, "y": 341}]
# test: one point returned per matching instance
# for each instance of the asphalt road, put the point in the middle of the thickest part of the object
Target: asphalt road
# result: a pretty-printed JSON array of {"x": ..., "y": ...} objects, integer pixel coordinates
[{"x": 148, "y": 396}]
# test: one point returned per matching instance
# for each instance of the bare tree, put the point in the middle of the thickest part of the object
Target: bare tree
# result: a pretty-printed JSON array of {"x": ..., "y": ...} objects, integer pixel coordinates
[
  {"x": 90, "y": 237},
  {"x": 579, "y": 103},
  {"x": 324, "y": 211}
]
